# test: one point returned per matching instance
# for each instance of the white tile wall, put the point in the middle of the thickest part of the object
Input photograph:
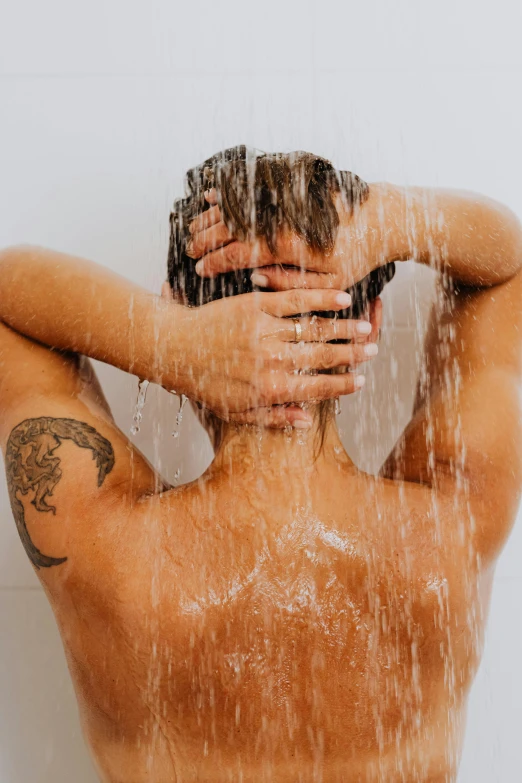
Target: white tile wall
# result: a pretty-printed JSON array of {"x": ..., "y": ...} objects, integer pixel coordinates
[
  {"x": 492, "y": 747},
  {"x": 103, "y": 106},
  {"x": 129, "y": 37},
  {"x": 40, "y": 738}
]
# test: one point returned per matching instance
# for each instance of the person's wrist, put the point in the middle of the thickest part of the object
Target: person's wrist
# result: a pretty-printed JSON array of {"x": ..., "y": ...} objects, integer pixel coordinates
[
  {"x": 176, "y": 333},
  {"x": 391, "y": 211}
]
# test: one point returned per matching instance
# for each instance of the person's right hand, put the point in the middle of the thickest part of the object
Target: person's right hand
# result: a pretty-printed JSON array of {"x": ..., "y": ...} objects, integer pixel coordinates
[
  {"x": 295, "y": 264},
  {"x": 242, "y": 356}
]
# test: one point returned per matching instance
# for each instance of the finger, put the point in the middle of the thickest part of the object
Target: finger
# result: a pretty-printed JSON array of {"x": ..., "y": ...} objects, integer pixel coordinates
[
  {"x": 376, "y": 319},
  {"x": 321, "y": 330},
  {"x": 298, "y": 301},
  {"x": 281, "y": 278},
  {"x": 275, "y": 417},
  {"x": 302, "y": 388},
  {"x": 236, "y": 255},
  {"x": 205, "y": 220},
  {"x": 207, "y": 240},
  {"x": 314, "y": 356}
]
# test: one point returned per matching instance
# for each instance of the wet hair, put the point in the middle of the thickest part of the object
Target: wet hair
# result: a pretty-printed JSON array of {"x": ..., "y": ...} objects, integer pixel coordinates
[{"x": 260, "y": 194}]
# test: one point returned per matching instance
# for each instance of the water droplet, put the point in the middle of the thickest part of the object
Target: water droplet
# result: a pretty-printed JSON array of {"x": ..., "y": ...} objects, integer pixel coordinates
[
  {"x": 179, "y": 417},
  {"x": 140, "y": 404},
  {"x": 337, "y": 406},
  {"x": 182, "y": 401}
]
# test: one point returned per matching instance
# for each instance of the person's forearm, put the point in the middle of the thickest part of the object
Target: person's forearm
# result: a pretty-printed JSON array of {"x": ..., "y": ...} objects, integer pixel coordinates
[
  {"x": 475, "y": 240},
  {"x": 76, "y": 305}
]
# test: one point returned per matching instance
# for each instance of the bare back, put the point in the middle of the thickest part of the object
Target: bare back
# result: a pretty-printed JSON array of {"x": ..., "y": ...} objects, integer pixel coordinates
[
  {"x": 271, "y": 641},
  {"x": 278, "y": 627}
]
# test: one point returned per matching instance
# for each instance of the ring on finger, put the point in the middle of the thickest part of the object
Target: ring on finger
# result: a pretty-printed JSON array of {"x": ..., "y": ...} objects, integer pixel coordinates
[{"x": 298, "y": 330}]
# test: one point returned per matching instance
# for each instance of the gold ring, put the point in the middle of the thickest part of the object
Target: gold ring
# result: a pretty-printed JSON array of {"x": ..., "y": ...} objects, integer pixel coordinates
[{"x": 298, "y": 329}]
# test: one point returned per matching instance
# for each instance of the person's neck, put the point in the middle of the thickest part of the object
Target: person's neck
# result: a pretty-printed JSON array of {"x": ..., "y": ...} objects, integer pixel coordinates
[{"x": 280, "y": 453}]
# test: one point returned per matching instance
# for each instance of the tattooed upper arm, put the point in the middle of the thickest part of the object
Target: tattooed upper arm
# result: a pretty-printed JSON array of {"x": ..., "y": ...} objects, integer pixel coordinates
[
  {"x": 53, "y": 419},
  {"x": 33, "y": 467}
]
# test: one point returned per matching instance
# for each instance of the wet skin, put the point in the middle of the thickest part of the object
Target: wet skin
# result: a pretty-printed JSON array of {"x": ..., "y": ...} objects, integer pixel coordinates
[
  {"x": 287, "y": 617},
  {"x": 305, "y": 641}
]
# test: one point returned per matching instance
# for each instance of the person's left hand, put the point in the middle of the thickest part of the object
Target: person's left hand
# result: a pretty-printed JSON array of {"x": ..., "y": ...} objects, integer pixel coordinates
[{"x": 278, "y": 416}]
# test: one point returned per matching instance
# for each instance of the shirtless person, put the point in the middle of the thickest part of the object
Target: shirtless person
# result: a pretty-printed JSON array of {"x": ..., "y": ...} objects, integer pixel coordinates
[{"x": 286, "y": 617}]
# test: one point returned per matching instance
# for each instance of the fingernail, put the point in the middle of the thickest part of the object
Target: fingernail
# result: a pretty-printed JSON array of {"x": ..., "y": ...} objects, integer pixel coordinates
[
  {"x": 363, "y": 327},
  {"x": 302, "y": 424},
  {"x": 199, "y": 267},
  {"x": 372, "y": 349},
  {"x": 343, "y": 299},
  {"x": 260, "y": 280},
  {"x": 360, "y": 380}
]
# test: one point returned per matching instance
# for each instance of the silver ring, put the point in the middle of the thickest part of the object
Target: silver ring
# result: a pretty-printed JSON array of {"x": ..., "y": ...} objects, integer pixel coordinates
[{"x": 298, "y": 329}]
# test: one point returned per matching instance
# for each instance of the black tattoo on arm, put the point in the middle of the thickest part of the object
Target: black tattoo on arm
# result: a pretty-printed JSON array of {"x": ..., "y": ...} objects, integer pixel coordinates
[{"x": 32, "y": 466}]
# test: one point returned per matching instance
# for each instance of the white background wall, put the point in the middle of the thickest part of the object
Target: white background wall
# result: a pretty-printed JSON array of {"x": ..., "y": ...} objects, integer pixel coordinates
[{"x": 102, "y": 107}]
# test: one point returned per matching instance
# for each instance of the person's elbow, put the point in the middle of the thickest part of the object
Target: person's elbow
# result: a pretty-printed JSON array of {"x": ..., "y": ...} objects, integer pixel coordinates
[
  {"x": 504, "y": 230},
  {"x": 13, "y": 253}
]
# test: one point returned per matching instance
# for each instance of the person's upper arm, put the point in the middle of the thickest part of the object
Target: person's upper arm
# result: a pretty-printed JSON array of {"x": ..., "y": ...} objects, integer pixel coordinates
[
  {"x": 70, "y": 470},
  {"x": 465, "y": 437}
]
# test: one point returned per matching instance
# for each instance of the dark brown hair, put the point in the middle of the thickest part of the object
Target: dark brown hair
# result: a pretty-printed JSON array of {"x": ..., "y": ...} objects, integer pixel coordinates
[{"x": 259, "y": 194}]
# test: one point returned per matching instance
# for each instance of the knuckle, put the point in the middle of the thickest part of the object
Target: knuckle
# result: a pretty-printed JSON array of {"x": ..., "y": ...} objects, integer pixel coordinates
[
  {"x": 327, "y": 356},
  {"x": 189, "y": 249},
  {"x": 230, "y": 252},
  {"x": 291, "y": 361},
  {"x": 317, "y": 331},
  {"x": 296, "y": 301},
  {"x": 323, "y": 389},
  {"x": 266, "y": 388}
]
